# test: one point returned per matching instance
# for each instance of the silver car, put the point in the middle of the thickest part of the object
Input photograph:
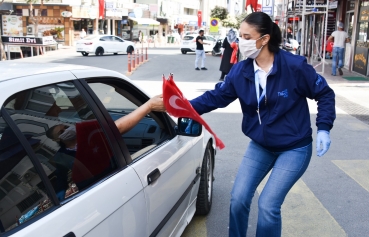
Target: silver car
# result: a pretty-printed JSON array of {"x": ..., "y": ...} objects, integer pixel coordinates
[{"x": 149, "y": 181}]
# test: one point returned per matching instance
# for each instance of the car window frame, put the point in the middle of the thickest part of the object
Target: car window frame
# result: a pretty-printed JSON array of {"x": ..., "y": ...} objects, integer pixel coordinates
[
  {"x": 108, "y": 132},
  {"x": 117, "y": 39},
  {"x": 40, "y": 171},
  {"x": 167, "y": 121}
]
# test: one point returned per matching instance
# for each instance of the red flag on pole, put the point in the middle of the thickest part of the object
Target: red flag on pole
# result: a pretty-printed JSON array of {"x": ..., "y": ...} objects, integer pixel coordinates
[
  {"x": 178, "y": 106},
  {"x": 253, "y": 3},
  {"x": 101, "y": 9}
]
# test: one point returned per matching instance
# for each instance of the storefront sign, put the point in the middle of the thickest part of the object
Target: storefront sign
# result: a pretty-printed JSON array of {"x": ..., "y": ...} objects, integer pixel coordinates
[
  {"x": 12, "y": 25},
  {"x": 333, "y": 5},
  {"x": 28, "y": 40},
  {"x": 364, "y": 14},
  {"x": 360, "y": 60},
  {"x": 66, "y": 14}
]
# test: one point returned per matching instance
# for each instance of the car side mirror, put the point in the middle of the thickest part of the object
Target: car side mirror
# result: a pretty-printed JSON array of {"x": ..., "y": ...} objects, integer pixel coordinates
[{"x": 188, "y": 127}]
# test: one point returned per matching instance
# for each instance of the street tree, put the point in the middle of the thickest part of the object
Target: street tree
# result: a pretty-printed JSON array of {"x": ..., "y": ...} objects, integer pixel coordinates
[{"x": 219, "y": 12}]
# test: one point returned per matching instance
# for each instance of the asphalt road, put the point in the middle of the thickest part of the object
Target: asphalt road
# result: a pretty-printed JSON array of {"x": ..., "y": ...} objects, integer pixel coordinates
[{"x": 332, "y": 197}]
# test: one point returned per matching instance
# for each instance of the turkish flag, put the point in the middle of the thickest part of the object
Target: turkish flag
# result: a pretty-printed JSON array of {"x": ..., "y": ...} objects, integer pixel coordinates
[
  {"x": 199, "y": 18},
  {"x": 178, "y": 106},
  {"x": 101, "y": 9},
  {"x": 253, "y": 4}
]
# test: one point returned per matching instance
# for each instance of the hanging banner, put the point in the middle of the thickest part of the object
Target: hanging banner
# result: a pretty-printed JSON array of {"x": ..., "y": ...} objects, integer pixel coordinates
[
  {"x": 101, "y": 9},
  {"x": 199, "y": 18}
]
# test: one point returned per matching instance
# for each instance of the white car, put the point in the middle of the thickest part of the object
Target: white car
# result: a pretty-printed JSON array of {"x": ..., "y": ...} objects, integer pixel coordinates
[
  {"x": 65, "y": 170},
  {"x": 100, "y": 44},
  {"x": 188, "y": 43}
]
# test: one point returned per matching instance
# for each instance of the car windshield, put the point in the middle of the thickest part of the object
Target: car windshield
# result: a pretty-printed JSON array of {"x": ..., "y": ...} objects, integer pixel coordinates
[
  {"x": 188, "y": 38},
  {"x": 91, "y": 37}
]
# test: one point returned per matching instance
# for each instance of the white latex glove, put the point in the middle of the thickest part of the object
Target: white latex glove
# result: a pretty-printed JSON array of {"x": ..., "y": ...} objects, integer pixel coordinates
[{"x": 322, "y": 142}]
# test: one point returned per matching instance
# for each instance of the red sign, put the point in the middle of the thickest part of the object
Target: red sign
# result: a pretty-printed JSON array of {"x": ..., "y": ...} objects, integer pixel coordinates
[
  {"x": 199, "y": 18},
  {"x": 101, "y": 9},
  {"x": 293, "y": 18}
]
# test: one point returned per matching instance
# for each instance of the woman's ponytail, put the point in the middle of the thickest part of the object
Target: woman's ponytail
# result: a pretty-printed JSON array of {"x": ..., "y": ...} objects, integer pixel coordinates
[{"x": 275, "y": 38}]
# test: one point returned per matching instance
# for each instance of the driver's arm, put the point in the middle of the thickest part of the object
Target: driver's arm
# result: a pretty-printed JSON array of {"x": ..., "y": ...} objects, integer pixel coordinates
[{"x": 126, "y": 123}]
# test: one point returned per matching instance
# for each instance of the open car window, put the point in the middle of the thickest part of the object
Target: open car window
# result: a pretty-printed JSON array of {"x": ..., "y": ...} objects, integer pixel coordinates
[
  {"x": 119, "y": 102},
  {"x": 65, "y": 136}
]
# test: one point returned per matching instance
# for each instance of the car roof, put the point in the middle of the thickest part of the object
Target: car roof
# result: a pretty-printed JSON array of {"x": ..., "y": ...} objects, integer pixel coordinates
[{"x": 12, "y": 69}]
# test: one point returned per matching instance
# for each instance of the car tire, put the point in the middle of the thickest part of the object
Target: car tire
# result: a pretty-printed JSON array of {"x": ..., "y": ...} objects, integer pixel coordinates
[
  {"x": 205, "y": 193},
  {"x": 130, "y": 49},
  {"x": 84, "y": 53},
  {"x": 99, "y": 51},
  {"x": 183, "y": 51},
  {"x": 115, "y": 53}
]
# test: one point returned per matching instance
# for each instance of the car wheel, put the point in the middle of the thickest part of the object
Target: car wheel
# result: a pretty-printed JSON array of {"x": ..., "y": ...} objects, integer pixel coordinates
[
  {"x": 213, "y": 53},
  {"x": 205, "y": 193},
  {"x": 84, "y": 54},
  {"x": 183, "y": 51},
  {"x": 99, "y": 51},
  {"x": 130, "y": 49},
  {"x": 115, "y": 53}
]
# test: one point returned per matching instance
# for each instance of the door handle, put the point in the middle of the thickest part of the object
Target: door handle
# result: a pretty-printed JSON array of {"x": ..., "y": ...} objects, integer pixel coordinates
[
  {"x": 153, "y": 176},
  {"x": 70, "y": 234}
]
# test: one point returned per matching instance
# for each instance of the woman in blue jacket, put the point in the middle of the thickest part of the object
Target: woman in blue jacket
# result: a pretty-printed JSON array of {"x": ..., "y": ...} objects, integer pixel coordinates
[{"x": 272, "y": 86}]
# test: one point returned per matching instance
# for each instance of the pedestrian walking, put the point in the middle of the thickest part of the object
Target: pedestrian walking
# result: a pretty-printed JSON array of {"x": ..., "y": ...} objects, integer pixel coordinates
[
  {"x": 339, "y": 37},
  {"x": 226, "y": 64},
  {"x": 200, "y": 52},
  {"x": 272, "y": 86},
  {"x": 82, "y": 34}
]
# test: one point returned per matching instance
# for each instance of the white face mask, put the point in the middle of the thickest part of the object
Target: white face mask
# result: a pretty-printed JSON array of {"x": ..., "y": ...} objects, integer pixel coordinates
[{"x": 248, "y": 48}]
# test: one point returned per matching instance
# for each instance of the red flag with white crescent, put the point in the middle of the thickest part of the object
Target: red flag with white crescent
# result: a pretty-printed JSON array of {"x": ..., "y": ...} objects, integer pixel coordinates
[{"x": 178, "y": 106}]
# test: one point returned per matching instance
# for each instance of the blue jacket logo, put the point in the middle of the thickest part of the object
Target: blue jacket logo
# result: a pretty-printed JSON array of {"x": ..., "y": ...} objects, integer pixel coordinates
[
  {"x": 319, "y": 80},
  {"x": 283, "y": 93}
]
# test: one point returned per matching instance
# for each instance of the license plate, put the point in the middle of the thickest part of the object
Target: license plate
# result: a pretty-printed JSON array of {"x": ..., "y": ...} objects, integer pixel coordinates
[{"x": 185, "y": 42}]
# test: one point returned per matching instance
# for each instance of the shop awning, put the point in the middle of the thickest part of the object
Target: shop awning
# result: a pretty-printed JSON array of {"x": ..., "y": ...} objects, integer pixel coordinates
[{"x": 145, "y": 21}]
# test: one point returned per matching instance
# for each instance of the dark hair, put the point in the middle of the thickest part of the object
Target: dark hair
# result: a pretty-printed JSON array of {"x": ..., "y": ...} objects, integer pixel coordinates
[
  {"x": 201, "y": 31},
  {"x": 49, "y": 132},
  {"x": 264, "y": 25}
]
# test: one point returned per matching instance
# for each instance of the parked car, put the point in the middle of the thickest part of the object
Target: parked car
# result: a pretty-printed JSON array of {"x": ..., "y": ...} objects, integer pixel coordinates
[
  {"x": 65, "y": 170},
  {"x": 100, "y": 44},
  {"x": 188, "y": 43}
]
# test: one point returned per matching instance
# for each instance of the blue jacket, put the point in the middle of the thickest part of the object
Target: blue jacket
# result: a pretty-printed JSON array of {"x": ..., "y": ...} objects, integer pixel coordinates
[{"x": 285, "y": 118}]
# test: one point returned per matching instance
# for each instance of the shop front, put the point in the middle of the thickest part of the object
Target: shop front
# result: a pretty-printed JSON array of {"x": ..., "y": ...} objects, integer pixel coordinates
[
  {"x": 360, "y": 58},
  {"x": 84, "y": 17},
  {"x": 50, "y": 22}
]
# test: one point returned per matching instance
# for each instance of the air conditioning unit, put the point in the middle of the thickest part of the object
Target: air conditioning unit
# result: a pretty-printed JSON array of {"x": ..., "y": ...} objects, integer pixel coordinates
[{"x": 30, "y": 30}]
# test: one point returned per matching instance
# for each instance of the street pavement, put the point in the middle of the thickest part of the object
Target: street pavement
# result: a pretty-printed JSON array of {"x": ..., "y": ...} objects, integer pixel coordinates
[{"x": 332, "y": 197}]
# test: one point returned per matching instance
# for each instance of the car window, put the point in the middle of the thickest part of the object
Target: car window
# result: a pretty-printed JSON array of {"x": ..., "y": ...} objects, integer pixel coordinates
[
  {"x": 22, "y": 192},
  {"x": 188, "y": 37},
  {"x": 147, "y": 134},
  {"x": 71, "y": 145},
  {"x": 106, "y": 38},
  {"x": 116, "y": 39},
  {"x": 210, "y": 38}
]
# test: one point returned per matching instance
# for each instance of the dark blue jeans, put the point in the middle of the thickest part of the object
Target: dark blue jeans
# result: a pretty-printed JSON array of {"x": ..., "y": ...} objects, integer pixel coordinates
[
  {"x": 287, "y": 167},
  {"x": 337, "y": 54}
]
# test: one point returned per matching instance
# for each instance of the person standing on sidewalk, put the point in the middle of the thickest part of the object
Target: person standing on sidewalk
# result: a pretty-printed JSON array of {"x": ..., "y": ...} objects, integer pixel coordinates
[
  {"x": 82, "y": 35},
  {"x": 200, "y": 52},
  {"x": 340, "y": 37},
  {"x": 272, "y": 86},
  {"x": 226, "y": 64}
]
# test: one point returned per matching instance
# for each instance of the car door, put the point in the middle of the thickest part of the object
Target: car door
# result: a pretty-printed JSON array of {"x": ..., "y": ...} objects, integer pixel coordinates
[
  {"x": 65, "y": 173},
  {"x": 164, "y": 162},
  {"x": 108, "y": 44},
  {"x": 119, "y": 44},
  {"x": 211, "y": 41}
]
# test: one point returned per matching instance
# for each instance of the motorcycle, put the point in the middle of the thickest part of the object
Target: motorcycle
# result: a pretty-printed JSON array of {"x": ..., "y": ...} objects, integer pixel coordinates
[{"x": 217, "y": 49}]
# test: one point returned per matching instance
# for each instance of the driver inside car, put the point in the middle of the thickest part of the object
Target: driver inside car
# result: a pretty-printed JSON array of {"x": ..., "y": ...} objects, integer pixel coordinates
[{"x": 81, "y": 154}]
